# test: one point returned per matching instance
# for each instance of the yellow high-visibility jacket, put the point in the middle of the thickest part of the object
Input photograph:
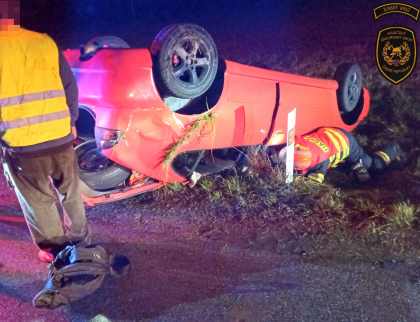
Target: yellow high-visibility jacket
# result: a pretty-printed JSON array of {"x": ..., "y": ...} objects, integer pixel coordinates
[{"x": 33, "y": 106}]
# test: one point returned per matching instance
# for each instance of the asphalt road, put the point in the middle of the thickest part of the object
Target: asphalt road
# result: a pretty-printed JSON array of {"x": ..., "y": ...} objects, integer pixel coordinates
[{"x": 178, "y": 275}]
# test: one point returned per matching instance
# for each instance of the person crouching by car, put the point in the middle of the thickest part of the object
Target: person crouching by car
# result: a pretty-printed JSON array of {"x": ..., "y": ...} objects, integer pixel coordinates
[
  {"x": 39, "y": 108},
  {"x": 316, "y": 152}
]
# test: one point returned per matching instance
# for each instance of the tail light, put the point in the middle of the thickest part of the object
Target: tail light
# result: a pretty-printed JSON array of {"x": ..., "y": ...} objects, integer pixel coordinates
[{"x": 106, "y": 138}]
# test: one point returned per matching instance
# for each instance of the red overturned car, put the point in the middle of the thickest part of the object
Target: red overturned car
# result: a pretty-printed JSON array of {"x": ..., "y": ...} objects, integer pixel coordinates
[{"x": 149, "y": 117}]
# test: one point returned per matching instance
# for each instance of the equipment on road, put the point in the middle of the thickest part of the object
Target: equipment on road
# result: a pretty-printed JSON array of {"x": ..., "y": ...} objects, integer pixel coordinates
[{"x": 77, "y": 272}]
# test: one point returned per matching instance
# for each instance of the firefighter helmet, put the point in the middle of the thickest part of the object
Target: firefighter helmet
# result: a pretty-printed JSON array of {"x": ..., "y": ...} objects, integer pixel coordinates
[{"x": 302, "y": 157}]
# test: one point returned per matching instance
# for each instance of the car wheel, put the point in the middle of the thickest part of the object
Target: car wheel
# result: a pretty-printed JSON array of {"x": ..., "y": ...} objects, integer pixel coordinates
[
  {"x": 349, "y": 78},
  {"x": 88, "y": 50},
  {"x": 184, "y": 60},
  {"x": 96, "y": 171}
]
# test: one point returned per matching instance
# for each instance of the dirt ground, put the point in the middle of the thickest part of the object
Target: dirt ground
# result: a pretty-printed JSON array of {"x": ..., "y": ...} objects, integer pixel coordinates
[{"x": 184, "y": 269}]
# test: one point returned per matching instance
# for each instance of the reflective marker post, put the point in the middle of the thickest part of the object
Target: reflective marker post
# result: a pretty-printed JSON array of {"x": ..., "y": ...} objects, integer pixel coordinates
[{"x": 291, "y": 122}]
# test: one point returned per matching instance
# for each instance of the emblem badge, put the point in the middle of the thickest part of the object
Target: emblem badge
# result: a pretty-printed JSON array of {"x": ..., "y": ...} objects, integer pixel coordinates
[
  {"x": 396, "y": 53},
  {"x": 396, "y": 8}
]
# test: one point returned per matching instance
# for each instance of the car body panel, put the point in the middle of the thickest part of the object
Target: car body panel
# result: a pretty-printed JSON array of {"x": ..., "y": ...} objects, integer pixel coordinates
[
  {"x": 110, "y": 197},
  {"x": 118, "y": 85}
]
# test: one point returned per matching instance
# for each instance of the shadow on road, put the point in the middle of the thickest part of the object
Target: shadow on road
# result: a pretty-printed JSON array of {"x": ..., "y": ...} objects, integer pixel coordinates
[{"x": 164, "y": 276}]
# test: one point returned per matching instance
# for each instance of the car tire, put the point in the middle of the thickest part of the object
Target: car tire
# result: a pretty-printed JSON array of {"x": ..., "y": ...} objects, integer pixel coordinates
[
  {"x": 88, "y": 50},
  {"x": 184, "y": 60},
  {"x": 349, "y": 78},
  {"x": 98, "y": 179}
]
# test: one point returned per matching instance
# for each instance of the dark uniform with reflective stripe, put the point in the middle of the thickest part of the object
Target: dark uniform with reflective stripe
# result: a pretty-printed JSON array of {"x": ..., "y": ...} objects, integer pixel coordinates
[
  {"x": 347, "y": 150},
  {"x": 354, "y": 154}
]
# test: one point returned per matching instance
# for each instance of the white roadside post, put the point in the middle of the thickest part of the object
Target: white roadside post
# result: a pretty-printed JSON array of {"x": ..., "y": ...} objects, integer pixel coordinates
[{"x": 291, "y": 122}]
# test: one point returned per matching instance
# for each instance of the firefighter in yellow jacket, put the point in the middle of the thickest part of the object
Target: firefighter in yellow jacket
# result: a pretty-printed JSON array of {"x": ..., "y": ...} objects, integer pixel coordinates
[
  {"x": 38, "y": 110},
  {"x": 316, "y": 152}
]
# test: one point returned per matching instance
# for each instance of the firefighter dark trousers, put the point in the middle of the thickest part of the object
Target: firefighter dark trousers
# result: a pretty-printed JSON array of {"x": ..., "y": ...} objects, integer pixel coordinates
[
  {"x": 357, "y": 154},
  {"x": 32, "y": 179}
]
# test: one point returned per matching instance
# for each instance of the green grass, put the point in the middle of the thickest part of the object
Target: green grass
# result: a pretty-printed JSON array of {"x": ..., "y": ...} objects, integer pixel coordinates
[
  {"x": 195, "y": 126},
  {"x": 234, "y": 185},
  {"x": 402, "y": 215},
  {"x": 207, "y": 183}
]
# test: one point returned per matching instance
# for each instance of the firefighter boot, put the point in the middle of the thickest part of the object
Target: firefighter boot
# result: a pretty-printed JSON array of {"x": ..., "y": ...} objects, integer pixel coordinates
[
  {"x": 390, "y": 153},
  {"x": 400, "y": 156}
]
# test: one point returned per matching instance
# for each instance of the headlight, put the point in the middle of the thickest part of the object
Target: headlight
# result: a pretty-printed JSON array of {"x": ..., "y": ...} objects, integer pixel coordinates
[{"x": 106, "y": 138}]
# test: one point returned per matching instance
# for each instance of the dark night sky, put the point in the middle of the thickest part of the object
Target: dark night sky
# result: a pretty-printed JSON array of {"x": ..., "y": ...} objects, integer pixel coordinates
[
  {"x": 137, "y": 21},
  {"x": 239, "y": 27},
  {"x": 71, "y": 22}
]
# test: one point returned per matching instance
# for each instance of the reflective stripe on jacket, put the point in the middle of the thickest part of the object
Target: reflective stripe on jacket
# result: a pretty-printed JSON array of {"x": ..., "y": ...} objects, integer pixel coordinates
[
  {"x": 326, "y": 143},
  {"x": 33, "y": 105}
]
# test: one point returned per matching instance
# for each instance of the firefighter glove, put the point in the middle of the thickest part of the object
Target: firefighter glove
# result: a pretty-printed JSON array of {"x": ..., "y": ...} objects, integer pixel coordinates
[{"x": 360, "y": 172}]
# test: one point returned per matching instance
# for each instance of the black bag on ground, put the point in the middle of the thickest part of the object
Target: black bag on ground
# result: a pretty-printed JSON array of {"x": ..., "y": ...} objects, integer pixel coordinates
[{"x": 77, "y": 272}]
